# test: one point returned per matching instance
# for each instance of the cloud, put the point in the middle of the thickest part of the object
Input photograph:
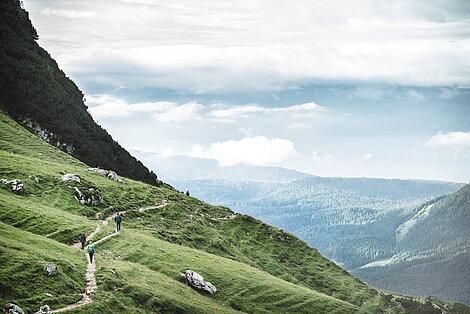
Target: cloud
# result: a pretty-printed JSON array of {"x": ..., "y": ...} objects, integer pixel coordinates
[
  {"x": 206, "y": 46},
  {"x": 367, "y": 156},
  {"x": 242, "y": 112},
  {"x": 414, "y": 96},
  {"x": 70, "y": 14},
  {"x": 235, "y": 113},
  {"x": 458, "y": 142},
  {"x": 186, "y": 112},
  {"x": 367, "y": 93},
  {"x": 447, "y": 93},
  {"x": 297, "y": 125},
  {"x": 108, "y": 106},
  {"x": 167, "y": 152},
  {"x": 317, "y": 156},
  {"x": 258, "y": 150}
]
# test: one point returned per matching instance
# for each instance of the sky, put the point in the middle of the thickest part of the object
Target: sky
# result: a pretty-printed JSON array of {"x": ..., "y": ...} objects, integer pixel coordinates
[{"x": 363, "y": 88}]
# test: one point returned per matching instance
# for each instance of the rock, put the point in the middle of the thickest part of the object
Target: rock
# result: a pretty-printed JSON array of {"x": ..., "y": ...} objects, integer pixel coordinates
[
  {"x": 51, "y": 270},
  {"x": 16, "y": 186},
  {"x": 14, "y": 309},
  {"x": 70, "y": 177},
  {"x": 90, "y": 197},
  {"x": 45, "y": 309},
  {"x": 46, "y": 135},
  {"x": 49, "y": 295},
  {"x": 197, "y": 281},
  {"x": 107, "y": 173}
]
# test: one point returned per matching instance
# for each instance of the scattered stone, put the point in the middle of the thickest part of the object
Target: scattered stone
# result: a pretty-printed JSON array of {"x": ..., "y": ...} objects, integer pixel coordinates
[
  {"x": 51, "y": 270},
  {"x": 70, "y": 177},
  {"x": 107, "y": 173},
  {"x": 49, "y": 295},
  {"x": 90, "y": 197},
  {"x": 195, "y": 280},
  {"x": 16, "y": 186},
  {"x": 14, "y": 309},
  {"x": 45, "y": 309}
]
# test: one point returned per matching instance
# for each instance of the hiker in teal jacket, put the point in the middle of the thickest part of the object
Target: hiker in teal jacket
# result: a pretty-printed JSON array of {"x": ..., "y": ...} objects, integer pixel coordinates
[
  {"x": 91, "y": 250},
  {"x": 118, "y": 220}
]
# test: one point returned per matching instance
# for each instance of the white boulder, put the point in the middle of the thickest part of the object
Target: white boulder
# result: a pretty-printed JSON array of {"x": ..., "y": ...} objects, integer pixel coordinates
[
  {"x": 197, "y": 281},
  {"x": 51, "y": 270},
  {"x": 70, "y": 177},
  {"x": 107, "y": 173}
]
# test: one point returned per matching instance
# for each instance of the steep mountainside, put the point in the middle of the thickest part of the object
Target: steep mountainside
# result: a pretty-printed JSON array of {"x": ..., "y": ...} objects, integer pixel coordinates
[
  {"x": 35, "y": 92},
  {"x": 432, "y": 252},
  {"x": 255, "y": 267},
  {"x": 350, "y": 220}
]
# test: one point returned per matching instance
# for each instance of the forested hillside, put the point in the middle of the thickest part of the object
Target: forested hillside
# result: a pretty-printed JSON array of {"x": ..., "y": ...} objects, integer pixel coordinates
[
  {"x": 35, "y": 92},
  {"x": 432, "y": 252},
  {"x": 350, "y": 220}
]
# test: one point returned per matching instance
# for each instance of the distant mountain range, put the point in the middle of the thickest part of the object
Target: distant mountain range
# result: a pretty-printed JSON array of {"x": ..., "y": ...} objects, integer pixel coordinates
[
  {"x": 175, "y": 168},
  {"x": 357, "y": 222}
]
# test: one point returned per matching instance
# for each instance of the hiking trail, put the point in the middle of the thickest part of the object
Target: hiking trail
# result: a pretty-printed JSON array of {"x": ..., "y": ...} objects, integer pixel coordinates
[{"x": 91, "y": 285}]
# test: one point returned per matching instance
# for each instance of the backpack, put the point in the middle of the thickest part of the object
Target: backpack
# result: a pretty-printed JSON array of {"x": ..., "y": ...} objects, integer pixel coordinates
[
  {"x": 118, "y": 218},
  {"x": 92, "y": 248}
]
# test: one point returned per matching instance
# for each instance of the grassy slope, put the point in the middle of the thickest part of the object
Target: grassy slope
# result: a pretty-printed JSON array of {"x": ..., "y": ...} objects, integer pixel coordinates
[{"x": 255, "y": 267}]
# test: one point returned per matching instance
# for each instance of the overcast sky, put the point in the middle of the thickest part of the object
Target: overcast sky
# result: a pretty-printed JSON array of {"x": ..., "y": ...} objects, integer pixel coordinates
[{"x": 333, "y": 88}]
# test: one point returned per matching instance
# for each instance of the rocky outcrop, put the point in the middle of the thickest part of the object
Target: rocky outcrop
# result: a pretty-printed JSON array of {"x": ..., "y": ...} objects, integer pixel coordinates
[
  {"x": 70, "y": 177},
  {"x": 14, "y": 309},
  {"x": 16, "y": 186},
  {"x": 107, "y": 173},
  {"x": 51, "y": 270},
  {"x": 90, "y": 197},
  {"x": 195, "y": 280},
  {"x": 46, "y": 135},
  {"x": 85, "y": 196},
  {"x": 45, "y": 309}
]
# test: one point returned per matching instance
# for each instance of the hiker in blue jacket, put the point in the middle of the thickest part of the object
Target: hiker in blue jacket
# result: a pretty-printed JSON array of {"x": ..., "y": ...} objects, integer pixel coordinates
[
  {"x": 91, "y": 250},
  {"x": 118, "y": 220}
]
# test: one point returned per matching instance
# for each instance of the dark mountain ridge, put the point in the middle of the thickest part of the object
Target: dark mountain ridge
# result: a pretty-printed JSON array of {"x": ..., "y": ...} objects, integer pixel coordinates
[{"x": 38, "y": 95}]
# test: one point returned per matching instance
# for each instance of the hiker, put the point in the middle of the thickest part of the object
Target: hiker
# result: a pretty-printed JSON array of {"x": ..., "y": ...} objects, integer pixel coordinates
[
  {"x": 83, "y": 240},
  {"x": 91, "y": 249},
  {"x": 118, "y": 222},
  {"x": 187, "y": 193}
]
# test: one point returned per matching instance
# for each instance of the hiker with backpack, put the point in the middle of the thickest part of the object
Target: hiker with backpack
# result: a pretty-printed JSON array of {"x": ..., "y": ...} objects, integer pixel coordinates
[
  {"x": 91, "y": 250},
  {"x": 118, "y": 220},
  {"x": 83, "y": 240}
]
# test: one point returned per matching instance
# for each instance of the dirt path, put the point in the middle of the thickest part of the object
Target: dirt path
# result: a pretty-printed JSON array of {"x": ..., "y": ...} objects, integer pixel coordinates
[
  {"x": 79, "y": 246},
  {"x": 91, "y": 285},
  {"x": 163, "y": 204}
]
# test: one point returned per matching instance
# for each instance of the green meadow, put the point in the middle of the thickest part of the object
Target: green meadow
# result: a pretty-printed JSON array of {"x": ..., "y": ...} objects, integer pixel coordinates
[{"x": 255, "y": 267}]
